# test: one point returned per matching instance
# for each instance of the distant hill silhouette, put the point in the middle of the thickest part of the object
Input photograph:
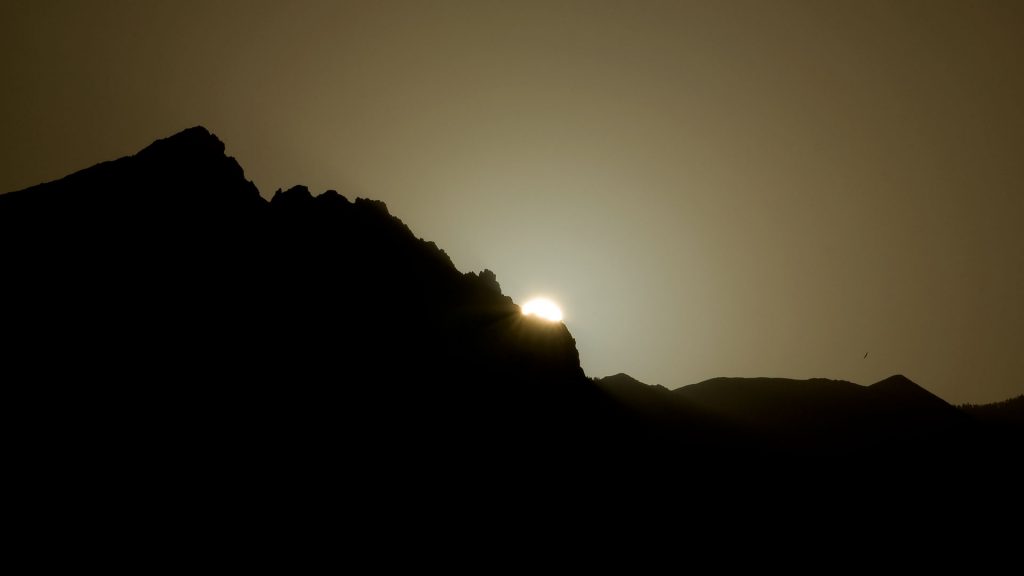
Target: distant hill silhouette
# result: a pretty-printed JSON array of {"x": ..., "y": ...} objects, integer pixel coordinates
[
  {"x": 893, "y": 423},
  {"x": 892, "y": 415},
  {"x": 162, "y": 317}
]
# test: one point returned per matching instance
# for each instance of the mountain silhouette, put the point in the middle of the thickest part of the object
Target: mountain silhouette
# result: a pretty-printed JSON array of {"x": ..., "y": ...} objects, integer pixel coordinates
[
  {"x": 175, "y": 309},
  {"x": 162, "y": 317}
]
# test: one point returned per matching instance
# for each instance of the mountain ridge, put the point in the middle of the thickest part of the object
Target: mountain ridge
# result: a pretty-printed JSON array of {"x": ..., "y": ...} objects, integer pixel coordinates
[{"x": 161, "y": 311}]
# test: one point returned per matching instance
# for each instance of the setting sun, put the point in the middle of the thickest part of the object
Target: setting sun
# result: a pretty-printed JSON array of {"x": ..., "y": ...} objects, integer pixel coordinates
[{"x": 543, "y": 308}]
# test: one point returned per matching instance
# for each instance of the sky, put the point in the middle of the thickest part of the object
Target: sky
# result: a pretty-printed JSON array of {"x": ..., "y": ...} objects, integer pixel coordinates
[{"x": 712, "y": 188}]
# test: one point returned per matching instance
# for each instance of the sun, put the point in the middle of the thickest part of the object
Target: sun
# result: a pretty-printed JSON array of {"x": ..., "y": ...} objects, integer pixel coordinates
[{"x": 543, "y": 308}]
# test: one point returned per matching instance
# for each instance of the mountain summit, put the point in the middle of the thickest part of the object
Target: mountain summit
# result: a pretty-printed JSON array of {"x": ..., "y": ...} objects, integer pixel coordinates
[{"x": 186, "y": 172}]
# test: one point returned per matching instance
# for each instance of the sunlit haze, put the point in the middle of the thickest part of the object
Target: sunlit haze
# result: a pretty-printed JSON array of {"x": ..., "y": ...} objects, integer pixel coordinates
[{"x": 793, "y": 188}]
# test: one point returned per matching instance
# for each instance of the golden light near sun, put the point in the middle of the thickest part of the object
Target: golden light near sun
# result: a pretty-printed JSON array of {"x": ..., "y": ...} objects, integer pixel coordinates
[{"x": 543, "y": 308}]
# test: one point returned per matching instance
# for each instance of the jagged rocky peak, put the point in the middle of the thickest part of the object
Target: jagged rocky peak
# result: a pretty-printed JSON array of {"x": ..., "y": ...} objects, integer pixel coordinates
[
  {"x": 295, "y": 196},
  {"x": 182, "y": 175},
  {"x": 196, "y": 141},
  {"x": 488, "y": 279},
  {"x": 195, "y": 156},
  {"x": 331, "y": 197}
]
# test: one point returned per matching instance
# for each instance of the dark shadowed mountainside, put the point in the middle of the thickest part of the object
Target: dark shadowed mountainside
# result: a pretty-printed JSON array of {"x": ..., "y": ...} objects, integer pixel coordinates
[
  {"x": 162, "y": 320},
  {"x": 160, "y": 306}
]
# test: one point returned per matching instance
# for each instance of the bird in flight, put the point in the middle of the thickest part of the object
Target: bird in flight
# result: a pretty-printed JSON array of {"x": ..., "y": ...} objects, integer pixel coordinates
[{"x": 865, "y": 356}]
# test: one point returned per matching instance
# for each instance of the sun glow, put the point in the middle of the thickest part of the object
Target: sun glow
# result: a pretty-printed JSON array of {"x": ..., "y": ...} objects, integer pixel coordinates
[{"x": 543, "y": 308}]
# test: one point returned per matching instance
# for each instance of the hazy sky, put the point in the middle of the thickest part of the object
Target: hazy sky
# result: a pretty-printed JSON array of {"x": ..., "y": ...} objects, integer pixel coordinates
[{"x": 716, "y": 188}]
